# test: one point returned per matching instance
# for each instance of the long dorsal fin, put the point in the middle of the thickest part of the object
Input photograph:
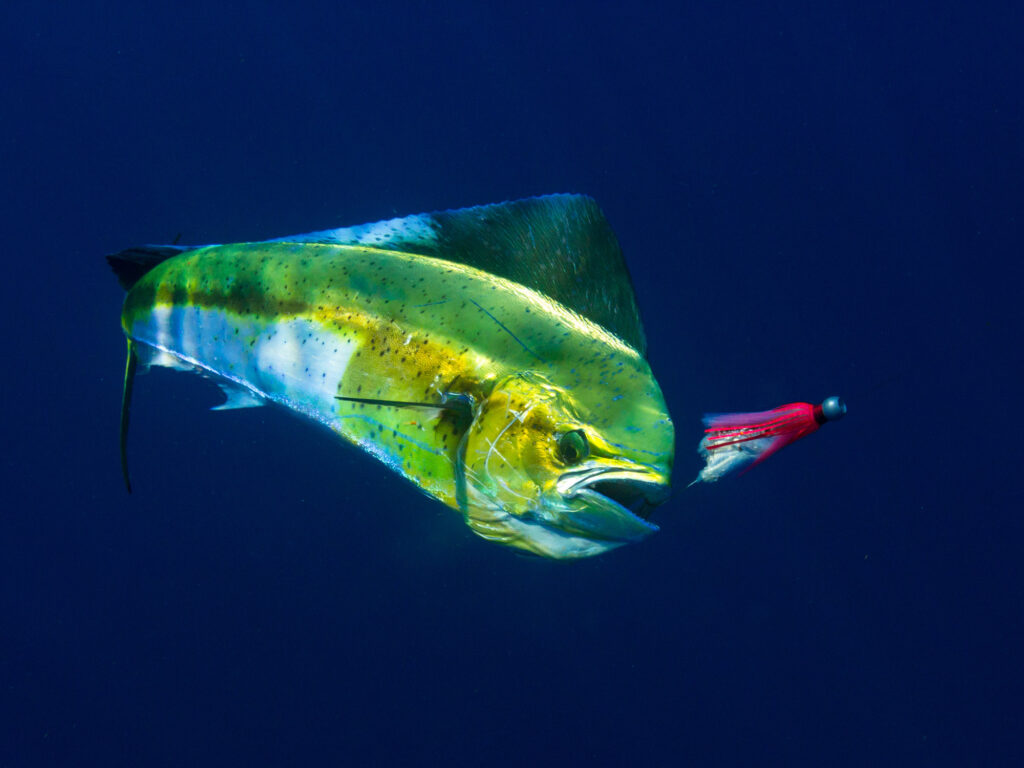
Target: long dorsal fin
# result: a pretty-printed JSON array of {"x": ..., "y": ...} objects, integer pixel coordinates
[{"x": 559, "y": 245}]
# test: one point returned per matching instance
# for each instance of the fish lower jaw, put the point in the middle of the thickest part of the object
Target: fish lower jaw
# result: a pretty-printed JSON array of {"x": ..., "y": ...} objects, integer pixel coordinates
[
  {"x": 634, "y": 493},
  {"x": 539, "y": 539},
  {"x": 532, "y": 533}
]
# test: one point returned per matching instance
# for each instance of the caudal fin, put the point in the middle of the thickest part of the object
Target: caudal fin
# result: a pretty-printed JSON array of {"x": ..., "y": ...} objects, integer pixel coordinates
[
  {"x": 132, "y": 263},
  {"x": 126, "y": 409}
]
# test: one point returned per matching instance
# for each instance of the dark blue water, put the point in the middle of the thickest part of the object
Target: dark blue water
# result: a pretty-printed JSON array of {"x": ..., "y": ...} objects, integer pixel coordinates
[{"x": 812, "y": 201}]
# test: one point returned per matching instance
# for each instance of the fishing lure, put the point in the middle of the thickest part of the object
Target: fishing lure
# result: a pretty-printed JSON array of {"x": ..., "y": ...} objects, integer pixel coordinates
[{"x": 738, "y": 441}]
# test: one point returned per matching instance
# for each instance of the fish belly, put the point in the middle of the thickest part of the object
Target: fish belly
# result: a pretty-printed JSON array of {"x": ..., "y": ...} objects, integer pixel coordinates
[
  {"x": 295, "y": 362},
  {"x": 301, "y": 363}
]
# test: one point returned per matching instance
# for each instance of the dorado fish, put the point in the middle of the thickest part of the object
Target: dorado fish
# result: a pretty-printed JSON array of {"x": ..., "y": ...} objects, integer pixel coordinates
[{"x": 493, "y": 356}]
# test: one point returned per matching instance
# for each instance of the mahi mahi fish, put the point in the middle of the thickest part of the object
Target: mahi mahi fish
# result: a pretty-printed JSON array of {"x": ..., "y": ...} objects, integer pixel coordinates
[{"x": 493, "y": 356}]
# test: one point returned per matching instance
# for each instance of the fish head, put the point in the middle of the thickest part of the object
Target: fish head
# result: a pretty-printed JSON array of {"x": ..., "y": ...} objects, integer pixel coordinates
[{"x": 546, "y": 473}]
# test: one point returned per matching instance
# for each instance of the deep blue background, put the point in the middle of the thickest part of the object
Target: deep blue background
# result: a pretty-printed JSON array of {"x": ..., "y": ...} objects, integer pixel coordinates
[{"x": 811, "y": 201}]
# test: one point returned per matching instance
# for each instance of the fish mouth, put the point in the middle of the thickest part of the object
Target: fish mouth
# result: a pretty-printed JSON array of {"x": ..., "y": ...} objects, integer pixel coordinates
[
  {"x": 619, "y": 503},
  {"x": 638, "y": 495}
]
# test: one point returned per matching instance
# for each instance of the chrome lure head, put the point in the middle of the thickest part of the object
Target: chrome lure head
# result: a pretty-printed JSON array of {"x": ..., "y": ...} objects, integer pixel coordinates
[
  {"x": 544, "y": 474},
  {"x": 833, "y": 408}
]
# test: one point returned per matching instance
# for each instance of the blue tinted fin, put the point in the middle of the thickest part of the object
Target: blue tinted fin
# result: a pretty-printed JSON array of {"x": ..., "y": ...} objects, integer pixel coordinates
[{"x": 559, "y": 245}]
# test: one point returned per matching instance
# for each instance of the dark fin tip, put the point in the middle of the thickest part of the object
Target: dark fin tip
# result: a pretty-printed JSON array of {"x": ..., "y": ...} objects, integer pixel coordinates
[{"x": 132, "y": 263}]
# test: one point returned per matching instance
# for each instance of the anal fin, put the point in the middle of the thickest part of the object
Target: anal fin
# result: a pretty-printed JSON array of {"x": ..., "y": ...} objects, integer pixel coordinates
[
  {"x": 150, "y": 357},
  {"x": 238, "y": 397}
]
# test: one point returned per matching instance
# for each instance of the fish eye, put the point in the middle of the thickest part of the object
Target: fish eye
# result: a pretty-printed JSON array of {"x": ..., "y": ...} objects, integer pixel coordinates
[{"x": 573, "y": 447}]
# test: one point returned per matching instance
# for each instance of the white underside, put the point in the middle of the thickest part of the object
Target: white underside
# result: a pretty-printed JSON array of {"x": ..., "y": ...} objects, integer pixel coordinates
[{"x": 295, "y": 363}]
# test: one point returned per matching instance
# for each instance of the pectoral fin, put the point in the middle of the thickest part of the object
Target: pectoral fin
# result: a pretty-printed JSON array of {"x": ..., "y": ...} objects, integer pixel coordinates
[{"x": 463, "y": 408}]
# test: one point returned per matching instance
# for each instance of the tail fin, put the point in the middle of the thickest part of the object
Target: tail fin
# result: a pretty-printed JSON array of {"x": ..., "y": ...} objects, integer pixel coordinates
[
  {"x": 126, "y": 407},
  {"x": 131, "y": 264}
]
